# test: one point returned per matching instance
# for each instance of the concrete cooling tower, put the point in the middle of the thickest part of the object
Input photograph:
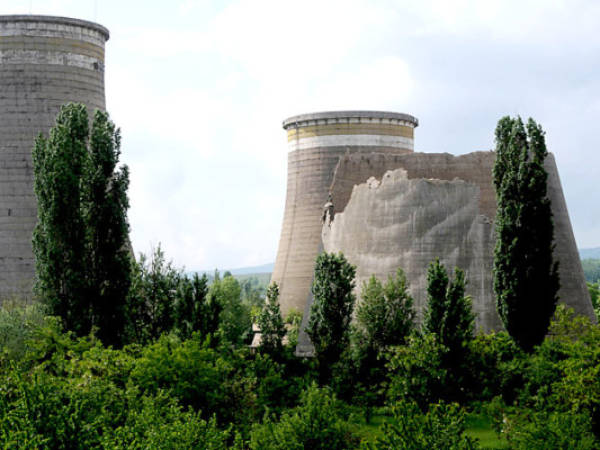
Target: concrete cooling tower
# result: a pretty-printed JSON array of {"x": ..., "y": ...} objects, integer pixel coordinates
[
  {"x": 389, "y": 207},
  {"x": 45, "y": 62},
  {"x": 315, "y": 144}
]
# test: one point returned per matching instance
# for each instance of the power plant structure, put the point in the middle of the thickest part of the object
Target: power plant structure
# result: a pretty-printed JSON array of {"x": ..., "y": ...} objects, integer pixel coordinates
[
  {"x": 316, "y": 142},
  {"x": 356, "y": 186},
  {"x": 45, "y": 62}
]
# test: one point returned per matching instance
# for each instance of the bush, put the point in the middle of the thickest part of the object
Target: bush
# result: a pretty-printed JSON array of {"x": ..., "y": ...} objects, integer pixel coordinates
[
  {"x": 442, "y": 427},
  {"x": 315, "y": 424},
  {"x": 194, "y": 373},
  {"x": 541, "y": 430},
  {"x": 417, "y": 371},
  {"x": 18, "y": 325},
  {"x": 489, "y": 356},
  {"x": 158, "y": 422}
]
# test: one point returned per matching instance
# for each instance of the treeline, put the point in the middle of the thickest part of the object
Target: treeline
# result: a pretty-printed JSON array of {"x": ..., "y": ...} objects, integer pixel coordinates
[
  {"x": 211, "y": 391},
  {"x": 591, "y": 270}
]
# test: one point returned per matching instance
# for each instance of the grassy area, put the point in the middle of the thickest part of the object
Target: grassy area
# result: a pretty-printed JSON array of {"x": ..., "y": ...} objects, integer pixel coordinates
[
  {"x": 478, "y": 427},
  {"x": 371, "y": 431}
]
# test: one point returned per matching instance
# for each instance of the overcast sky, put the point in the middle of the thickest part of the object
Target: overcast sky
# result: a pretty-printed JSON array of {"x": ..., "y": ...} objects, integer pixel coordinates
[{"x": 200, "y": 88}]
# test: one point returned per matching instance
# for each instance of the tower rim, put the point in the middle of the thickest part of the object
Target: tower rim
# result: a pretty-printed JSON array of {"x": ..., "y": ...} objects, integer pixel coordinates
[
  {"x": 14, "y": 18},
  {"x": 304, "y": 119}
]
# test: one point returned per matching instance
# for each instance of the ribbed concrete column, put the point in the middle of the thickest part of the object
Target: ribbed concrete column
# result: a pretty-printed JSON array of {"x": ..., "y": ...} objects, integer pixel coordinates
[
  {"x": 315, "y": 144},
  {"x": 45, "y": 62}
]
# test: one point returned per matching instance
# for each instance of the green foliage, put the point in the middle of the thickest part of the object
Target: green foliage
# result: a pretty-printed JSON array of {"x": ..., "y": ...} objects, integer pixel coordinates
[
  {"x": 449, "y": 316},
  {"x": 61, "y": 391},
  {"x": 386, "y": 314},
  {"x": 193, "y": 310},
  {"x": 58, "y": 240},
  {"x": 530, "y": 430},
  {"x": 417, "y": 370},
  {"x": 591, "y": 269},
  {"x": 235, "y": 321},
  {"x": 88, "y": 406},
  {"x": 18, "y": 325},
  {"x": 158, "y": 422},
  {"x": 151, "y": 301},
  {"x": 293, "y": 320},
  {"x": 491, "y": 366},
  {"x": 442, "y": 427},
  {"x": 437, "y": 286},
  {"x": 253, "y": 289},
  {"x": 331, "y": 311},
  {"x": 317, "y": 423},
  {"x": 594, "y": 289},
  {"x": 271, "y": 323},
  {"x": 81, "y": 239},
  {"x": 526, "y": 278},
  {"x": 104, "y": 212},
  {"x": 195, "y": 374}
]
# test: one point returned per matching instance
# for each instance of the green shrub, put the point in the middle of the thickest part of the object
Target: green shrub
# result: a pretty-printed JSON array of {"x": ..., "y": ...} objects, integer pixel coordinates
[
  {"x": 417, "y": 371},
  {"x": 442, "y": 427},
  {"x": 193, "y": 372},
  {"x": 18, "y": 324},
  {"x": 530, "y": 430},
  {"x": 159, "y": 422},
  {"x": 315, "y": 424},
  {"x": 488, "y": 353}
]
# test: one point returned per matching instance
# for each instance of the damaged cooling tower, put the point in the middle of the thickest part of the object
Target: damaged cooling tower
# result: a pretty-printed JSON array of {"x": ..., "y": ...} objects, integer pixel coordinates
[
  {"x": 391, "y": 208},
  {"x": 315, "y": 144},
  {"x": 45, "y": 62}
]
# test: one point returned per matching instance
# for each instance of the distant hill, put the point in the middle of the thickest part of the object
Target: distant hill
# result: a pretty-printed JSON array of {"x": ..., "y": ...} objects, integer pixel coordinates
[
  {"x": 589, "y": 253},
  {"x": 265, "y": 268}
]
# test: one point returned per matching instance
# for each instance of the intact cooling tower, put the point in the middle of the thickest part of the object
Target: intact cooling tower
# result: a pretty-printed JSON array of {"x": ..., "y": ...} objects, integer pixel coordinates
[
  {"x": 315, "y": 144},
  {"x": 44, "y": 63}
]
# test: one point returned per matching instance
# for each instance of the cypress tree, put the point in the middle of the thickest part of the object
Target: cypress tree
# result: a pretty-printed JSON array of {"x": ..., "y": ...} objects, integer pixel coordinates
[
  {"x": 105, "y": 206},
  {"x": 59, "y": 235},
  {"x": 526, "y": 278}
]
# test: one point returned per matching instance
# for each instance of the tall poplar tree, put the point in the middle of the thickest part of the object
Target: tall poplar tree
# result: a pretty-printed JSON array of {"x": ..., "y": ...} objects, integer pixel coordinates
[
  {"x": 59, "y": 235},
  {"x": 526, "y": 280},
  {"x": 81, "y": 242}
]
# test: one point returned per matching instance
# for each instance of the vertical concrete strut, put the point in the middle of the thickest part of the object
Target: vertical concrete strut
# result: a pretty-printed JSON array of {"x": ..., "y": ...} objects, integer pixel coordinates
[{"x": 45, "y": 62}]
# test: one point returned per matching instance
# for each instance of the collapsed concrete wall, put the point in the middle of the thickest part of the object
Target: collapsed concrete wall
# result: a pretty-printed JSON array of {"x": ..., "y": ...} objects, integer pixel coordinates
[
  {"x": 436, "y": 205},
  {"x": 406, "y": 223}
]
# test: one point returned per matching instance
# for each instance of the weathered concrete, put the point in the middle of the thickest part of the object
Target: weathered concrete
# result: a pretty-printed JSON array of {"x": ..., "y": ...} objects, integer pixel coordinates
[
  {"x": 412, "y": 219},
  {"x": 316, "y": 142},
  {"x": 45, "y": 62}
]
